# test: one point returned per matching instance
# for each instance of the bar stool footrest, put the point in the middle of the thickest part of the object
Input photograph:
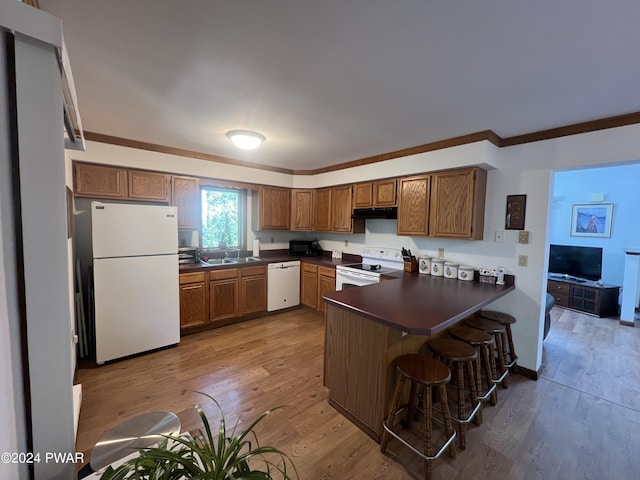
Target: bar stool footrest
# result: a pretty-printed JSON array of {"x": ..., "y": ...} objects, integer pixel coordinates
[
  {"x": 415, "y": 450},
  {"x": 488, "y": 393},
  {"x": 501, "y": 377}
]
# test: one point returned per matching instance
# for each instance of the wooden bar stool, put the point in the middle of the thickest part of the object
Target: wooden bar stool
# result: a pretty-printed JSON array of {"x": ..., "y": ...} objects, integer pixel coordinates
[
  {"x": 506, "y": 320},
  {"x": 484, "y": 345},
  {"x": 428, "y": 372},
  {"x": 458, "y": 355},
  {"x": 498, "y": 332}
]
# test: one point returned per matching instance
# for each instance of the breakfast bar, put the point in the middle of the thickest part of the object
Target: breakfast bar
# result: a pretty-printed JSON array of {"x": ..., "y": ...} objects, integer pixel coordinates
[{"x": 367, "y": 328}]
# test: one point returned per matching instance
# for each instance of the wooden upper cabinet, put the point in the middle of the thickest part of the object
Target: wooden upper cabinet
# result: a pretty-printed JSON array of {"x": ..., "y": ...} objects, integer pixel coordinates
[
  {"x": 384, "y": 193},
  {"x": 274, "y": 208},
  {"x": 302, "y": 209},
  {"x": 341, "y": 209},
  {"x": 363, "y": 195},
  {"x": 322, "y": 210},
  {"x": 149, "y": 185},
  {"x": 457, "y": 203},
  {"x": 381, "y": 193},
  {"x": 185, "y": 194},
  {"x": 413, "y": 205},
  {"x": 99, "y": 181}
]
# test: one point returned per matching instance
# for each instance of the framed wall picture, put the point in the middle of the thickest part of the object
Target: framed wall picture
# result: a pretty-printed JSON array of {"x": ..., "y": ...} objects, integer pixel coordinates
[
  {"x": 591, "y": 220},
  {"x": 69, "y": 213},
  {"x": 516, "y": 207}
]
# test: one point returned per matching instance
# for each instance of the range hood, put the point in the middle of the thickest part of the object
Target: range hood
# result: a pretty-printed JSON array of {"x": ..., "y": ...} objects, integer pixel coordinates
[{"x": 387, "y": 212}]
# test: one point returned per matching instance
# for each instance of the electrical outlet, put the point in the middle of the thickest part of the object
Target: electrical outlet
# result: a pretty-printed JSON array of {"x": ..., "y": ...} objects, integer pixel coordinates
[
  {"x": 523, "y": 237},
  {"x": 271, "y": 239},
  {"x": 441, "y": 253},
  {"x": 346, "y": 243},
  {"x": 499, "y": 236},
  {"x": 522, "y": 260}
]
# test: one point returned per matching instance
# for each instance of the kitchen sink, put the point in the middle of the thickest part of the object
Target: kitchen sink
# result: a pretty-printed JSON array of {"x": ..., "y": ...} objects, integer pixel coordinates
[
  {"x": 226, "y": 261},
  {"x": 221, "y": 261}
]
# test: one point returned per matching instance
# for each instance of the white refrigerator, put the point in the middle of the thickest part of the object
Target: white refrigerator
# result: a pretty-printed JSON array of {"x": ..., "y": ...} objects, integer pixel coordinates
[{"x": 135, "y": 275}]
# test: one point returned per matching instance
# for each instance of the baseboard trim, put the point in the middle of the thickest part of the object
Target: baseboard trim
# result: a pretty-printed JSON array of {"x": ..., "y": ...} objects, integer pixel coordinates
[
  {"x": 525, "y": 372},
  {"x": 626, "y": 323}
]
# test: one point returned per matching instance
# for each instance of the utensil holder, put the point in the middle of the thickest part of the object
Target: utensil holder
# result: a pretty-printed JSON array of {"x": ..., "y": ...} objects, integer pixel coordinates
[{"x": 411, "y": 266}]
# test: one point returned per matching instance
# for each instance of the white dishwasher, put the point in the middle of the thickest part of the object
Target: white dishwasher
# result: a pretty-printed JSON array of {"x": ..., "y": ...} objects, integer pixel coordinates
[{"x": 283, "y": 285}]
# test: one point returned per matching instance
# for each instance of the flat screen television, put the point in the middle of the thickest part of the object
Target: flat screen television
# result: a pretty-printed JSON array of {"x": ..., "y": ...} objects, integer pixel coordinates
[{"x": 569, "y": 261}]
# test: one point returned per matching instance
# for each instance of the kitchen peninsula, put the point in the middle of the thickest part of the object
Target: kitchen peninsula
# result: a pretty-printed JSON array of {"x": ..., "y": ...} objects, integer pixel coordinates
[{"x": 367, "y": 328}]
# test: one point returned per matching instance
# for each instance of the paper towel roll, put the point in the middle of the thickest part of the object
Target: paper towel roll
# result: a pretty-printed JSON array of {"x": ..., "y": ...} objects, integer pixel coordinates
[{"x": 256, "y": 247}]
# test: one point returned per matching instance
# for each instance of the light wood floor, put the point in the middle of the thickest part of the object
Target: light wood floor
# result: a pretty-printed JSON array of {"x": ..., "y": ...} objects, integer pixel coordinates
[{"x": 580, "y": 420}]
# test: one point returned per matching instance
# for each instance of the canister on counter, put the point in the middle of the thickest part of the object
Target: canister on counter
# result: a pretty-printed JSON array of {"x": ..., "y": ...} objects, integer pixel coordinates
[
  {"x": 465, "y": 272},
  {"x": 450, "y": 270},
  {"x": 424, "y": 265},
  {"x": 437, "y": 267}
]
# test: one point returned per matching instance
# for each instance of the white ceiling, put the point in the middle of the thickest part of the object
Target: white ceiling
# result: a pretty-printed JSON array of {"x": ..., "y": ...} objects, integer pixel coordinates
[{"x": 333, "y": 81}]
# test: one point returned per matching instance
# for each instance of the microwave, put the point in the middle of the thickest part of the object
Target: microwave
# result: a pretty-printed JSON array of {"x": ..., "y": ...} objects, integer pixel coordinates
[{"x": 304, "y": 248}]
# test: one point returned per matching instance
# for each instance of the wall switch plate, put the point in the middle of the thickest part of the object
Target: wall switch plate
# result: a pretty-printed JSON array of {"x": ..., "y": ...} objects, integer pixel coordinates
[
  {"x": 441, "y": 253},
  {"x": 499, "y": 236},
  {"x": 523, "y": 236},
  {"x": 522, "y": 260}
]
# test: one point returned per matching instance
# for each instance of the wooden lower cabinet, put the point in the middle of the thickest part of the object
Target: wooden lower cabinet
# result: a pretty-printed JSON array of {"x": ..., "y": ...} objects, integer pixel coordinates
[
  {"x": 216, "y": 295},
  {"x": 326, "y": 284},
  {"x": 223, "y": 295},
  {"x": 193, "y": 300},
  {"x": 316, "y": 281},
  {"x": 309, "y": 284},
  {"x": 253, "y": 289}
]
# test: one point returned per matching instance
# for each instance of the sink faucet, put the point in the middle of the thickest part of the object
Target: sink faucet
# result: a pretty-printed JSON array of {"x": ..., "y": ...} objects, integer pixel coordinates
[{"x": 227, "y": 253}]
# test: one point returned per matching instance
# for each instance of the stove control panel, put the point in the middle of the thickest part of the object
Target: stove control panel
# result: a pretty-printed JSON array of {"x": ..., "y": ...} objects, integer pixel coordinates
[{"x": 390, "y": 254}]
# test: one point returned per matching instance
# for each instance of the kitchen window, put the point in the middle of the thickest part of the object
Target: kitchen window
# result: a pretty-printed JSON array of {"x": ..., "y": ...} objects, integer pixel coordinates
[{"x": 223, "y": 218}]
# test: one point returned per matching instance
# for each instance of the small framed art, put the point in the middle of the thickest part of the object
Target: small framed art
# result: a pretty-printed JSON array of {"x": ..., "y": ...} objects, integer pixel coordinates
[
  {"x": 516, "y": 207},
  {"x": 591, "y": 220}
]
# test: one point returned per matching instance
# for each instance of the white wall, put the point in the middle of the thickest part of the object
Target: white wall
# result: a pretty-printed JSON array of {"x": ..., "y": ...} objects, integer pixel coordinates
[
  {"x": 12, "y": 410},
  {"x": 46, "y": 261},
  {"x": 619, "y": 184},
  {"x": 523, "y": 169}
]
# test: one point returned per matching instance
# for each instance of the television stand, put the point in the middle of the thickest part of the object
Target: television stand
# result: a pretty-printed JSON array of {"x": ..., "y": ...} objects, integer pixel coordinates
[{"x": 585, "y": 296}]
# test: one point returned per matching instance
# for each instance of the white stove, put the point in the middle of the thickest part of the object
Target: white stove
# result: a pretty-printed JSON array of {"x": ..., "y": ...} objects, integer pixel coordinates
[{"x": 376, "y": 261}]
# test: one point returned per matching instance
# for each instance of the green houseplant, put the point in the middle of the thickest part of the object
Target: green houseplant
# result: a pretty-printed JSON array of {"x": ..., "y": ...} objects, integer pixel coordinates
[{"x": 227, "y": 455}]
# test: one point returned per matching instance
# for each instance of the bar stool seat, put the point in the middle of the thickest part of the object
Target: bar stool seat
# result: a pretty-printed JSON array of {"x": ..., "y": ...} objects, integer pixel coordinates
[
  {"x": 484, "y": 345},
  {"x": 506, "y": 320},
  {"x": 457, "y": 355},
  {"x": 498, "y": 331},
  {"x": 428, "y": 372}
]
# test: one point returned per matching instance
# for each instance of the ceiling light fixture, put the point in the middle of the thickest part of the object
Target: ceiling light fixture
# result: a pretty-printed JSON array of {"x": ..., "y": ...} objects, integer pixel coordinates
[{"x": 246, "y": 139}]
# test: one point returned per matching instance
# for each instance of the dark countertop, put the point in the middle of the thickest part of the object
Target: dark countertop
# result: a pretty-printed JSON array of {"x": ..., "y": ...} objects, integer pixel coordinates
[
  {"x": 419, "y": 304},
  {"x": 273, "y": 256}
]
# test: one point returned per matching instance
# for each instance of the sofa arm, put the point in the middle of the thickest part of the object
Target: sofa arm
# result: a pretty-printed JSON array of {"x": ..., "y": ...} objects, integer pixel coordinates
[{"x": 550, "y": 302}]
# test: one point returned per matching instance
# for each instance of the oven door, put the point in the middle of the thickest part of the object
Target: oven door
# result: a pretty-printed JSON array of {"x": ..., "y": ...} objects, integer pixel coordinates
[{"x": 349, "y": 279}]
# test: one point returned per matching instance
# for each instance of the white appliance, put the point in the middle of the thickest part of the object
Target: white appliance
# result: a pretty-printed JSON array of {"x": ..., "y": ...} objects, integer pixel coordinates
[
  {"x": 376, "y": 261},
  {"x": 283, "y": 285},
  {"x": 135, "y": 276}
]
